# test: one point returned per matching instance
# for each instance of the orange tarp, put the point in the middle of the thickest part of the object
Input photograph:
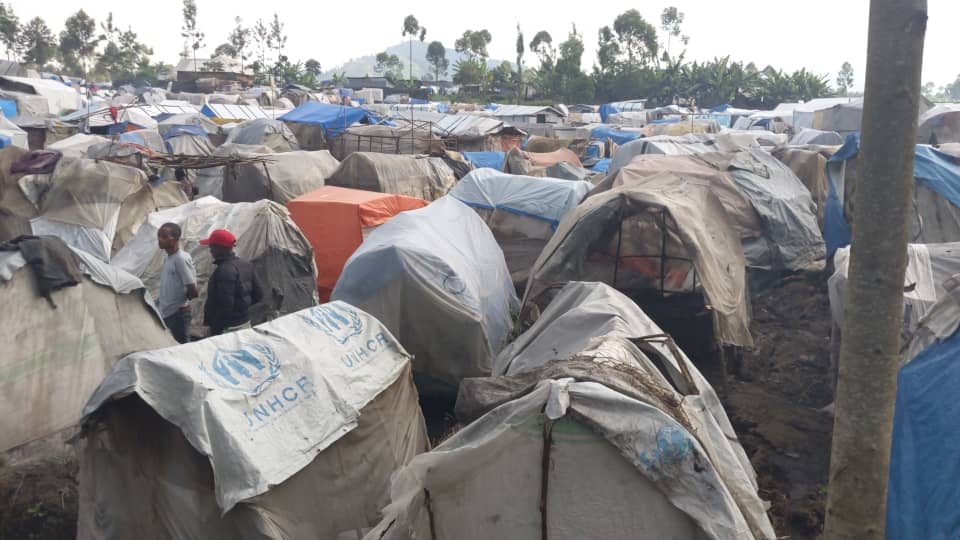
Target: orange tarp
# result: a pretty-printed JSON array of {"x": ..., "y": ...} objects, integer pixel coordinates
[{"x": 333, "y": 220}]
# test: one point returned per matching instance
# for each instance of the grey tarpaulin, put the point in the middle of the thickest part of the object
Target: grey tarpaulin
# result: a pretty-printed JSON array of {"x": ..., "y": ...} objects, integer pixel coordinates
[
  {"x": 437, "y": 279},
  {"x": 617, "y": 237},
  {"x": 61, "y": 354},
  {"x": 210, "y": 181},
  {"x": 281, "y": 178},
  {"x": 266, "y": 236},
  {"x": 809, "y": 163},
  {"x": 426, "y": 178},
  {"x": 273, "y": 134},
  {"x": 287, "y": 430}
]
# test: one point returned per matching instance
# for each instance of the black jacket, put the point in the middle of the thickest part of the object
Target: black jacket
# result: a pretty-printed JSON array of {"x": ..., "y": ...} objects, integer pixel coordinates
[{"x": 233, "y": 288}]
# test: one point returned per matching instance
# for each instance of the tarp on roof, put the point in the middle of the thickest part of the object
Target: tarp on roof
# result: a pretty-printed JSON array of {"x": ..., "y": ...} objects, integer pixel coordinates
[
  {"x": 68, "y": 349},
  {"x": 233, "y": 112},
  {"x": 601, "y": 166},
  {"x": 76, "y": 145},
  {"x": 940, "y": 124},
  {"x": 188, "y": 119},
  {"x": 619, "y": 136},
  {"x": 491, "y": 160},
  {"x": 684, "y": 145},
  {"x": 422, "y": 177},
  {"x": 271, "y": 133},
  {"x": 333, "y": 118},
  {"x": 283, "y": 177},
  {"x": 703, "y": 252},
  {"x": 446, "y": 266},
  {"x": 336, "y": 220},
  {"x": 15, "y": 136},
  {"x": 816, "y": 136},
  {"x": 59, "y": 96},
  {"x": 210, "y": 181},
  {"x": 266, "y": 236},
  {"x": 276, "y": 432},
  {"x": 8, "y": 107}
]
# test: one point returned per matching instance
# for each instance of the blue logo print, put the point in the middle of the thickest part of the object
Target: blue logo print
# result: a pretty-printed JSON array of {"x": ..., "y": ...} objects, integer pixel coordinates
[
  {"x": 338, "y": 322},
  {"x": 247, "y": 370}
]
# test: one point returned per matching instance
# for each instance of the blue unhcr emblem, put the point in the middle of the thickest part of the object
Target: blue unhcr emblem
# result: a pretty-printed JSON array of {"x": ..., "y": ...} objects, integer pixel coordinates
[
  {"x": 246, "y": 370},
  {"x": 338, "y": 322}
]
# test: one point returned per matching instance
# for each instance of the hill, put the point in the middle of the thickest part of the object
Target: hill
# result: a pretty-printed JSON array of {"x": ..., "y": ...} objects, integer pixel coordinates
[{"x": 359, "y": 67}]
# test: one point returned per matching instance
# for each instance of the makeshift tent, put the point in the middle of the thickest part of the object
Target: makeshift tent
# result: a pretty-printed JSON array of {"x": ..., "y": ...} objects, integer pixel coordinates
[
  {"x": 422, "y": 177},
  {"x": 76, "y": 146},
  {"x": 667, "y": 241},
  {"x": 686, "y": 145},
  {"x": 490, "y": 160},
  {"x": 622, "y": 416},
  {"x": 59, "y": 96},
  {"x": 618, "y": 136},
  {"x": 435, "y": 268},
  {"x": 13, "y": 135},
  {"x": 521, "y": 211},
  {"x": 922, "y": 493},
  {"x": 809, "y": 163},
  {"x": 386, "y": 140},
  {"x": 940, "y": 125},
  {"x": 266, "y": 236},
  {"x": 332, "y": 119},
  {"x": 273, "y": 134},
  {"x": 62, "y": 348},
  {"x": 805, "y": 114},
  {"x": 288, "y": 430},
  {"x": 283, "y": 177},
  {"x": 935, "y": 207},
  {"x": 12, "y": 225},
  {"x": 816, "y": 136},
  {"x": 337, "y": 220},
  {"x": 843, "y": 118},
  {"x": 96, "y": 206},
  {"x": 221, "y": 112},
  {"x": 12, "y": 197},
  {"x": 188, "y": 119},
  {"x": 210, "y": 181}
]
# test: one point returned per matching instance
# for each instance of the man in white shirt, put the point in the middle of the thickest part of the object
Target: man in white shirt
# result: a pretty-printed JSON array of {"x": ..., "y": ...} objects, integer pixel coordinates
[{"x": 178, "y": 283}]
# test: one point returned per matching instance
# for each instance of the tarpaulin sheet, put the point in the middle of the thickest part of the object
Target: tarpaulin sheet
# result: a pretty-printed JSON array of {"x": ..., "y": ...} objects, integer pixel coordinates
[
  {"x": 273, "y": 410},
  {"x": 336, "y": 220},
  {"x": 546, "y": 199},
  {"x": 8, "y": 107},
  {"x": 176, "y": 131},
  {"x": 333, "y": 118},
  {"x": 423, "y": 177},
  {"x": 436, "y": 268},
  {"x": 601, "y": 166},
  {"x": 280, "y": 178},
  {"x": 619, "y": 136},
  {"x": 273, "y": 134},
  {"x": 491, "y": 160}
]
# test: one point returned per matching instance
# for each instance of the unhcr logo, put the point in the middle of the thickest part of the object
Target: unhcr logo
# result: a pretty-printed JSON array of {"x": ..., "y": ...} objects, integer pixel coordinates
[
  {"x": 247, "y": 370},
  {"x": 338, "y": 322}
]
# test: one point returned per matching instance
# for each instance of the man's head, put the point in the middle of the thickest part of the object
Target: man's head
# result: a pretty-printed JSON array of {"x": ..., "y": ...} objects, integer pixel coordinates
[
  {"x": 221, "y": 242},
  {"x": 168, "y": 237}
]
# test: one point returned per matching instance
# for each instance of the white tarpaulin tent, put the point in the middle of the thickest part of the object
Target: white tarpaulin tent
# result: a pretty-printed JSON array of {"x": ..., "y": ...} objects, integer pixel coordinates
[
  {"x": 17, "y": 136},
  {"x": 61, "y": 350},
  {"x": 281, "y": 178},
  {"x": 59, "y": 96},
  {"x": 437, "y": 279},
  {"x": 287, "y": 430},
  {"x": 633, "y": 440}
]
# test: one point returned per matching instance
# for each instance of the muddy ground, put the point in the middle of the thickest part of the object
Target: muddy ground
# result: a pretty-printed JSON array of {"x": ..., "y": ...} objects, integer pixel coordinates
[{"x": 773, "y": 399}]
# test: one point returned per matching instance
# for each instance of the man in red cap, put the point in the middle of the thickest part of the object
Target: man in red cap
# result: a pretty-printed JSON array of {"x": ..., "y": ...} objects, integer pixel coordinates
[{"x": 233, "y": 287}]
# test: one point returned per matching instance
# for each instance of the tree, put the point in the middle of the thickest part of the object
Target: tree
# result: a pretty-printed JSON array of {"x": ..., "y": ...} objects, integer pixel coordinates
[
  {"x": 502, "y": 76},
  {"x": 520, "y": 51},
  {"x": 670, "y": 21},
  {"x": 389, "y": 66},
  {"x": 37, "y": 43},
  {"x": 473, "y": 44},
  {"x": 190, "y": 32},
  {"x": 845, "y": 78},
  {"x": 239, "y": 40},
  {"x": 9, "y": 30},
  {"x": 637, "y": 37},
  {"x": 542, "y": 46},
  {"x": 929, "y": 89},
  {"x": 572, "y": 84},
  {"x": 470, "y": 71},
  {"x": 869, "y": 353},
  {"x": 78, "y": 41},
  {"x": 261, "y": 36},
  {"x": 312, "y": 67},
  {"x": 437, "y": 58},
  {"x": 123, "y": 56},
  {"x": 411, "y": 27},
  {"x": 279, "y": 40},
  {"x": 225, "y": 49},
  {"x": 952, "y": 90}
]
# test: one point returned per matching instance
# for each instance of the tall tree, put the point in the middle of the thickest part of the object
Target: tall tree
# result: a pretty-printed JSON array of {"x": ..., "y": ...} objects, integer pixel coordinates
[
  {"x": 239, "y": 40},
  {"x": 637, "y": 37},
  {"x": 520, "y": 50},
  {"x": 437, "y": 58},
  {"x": 411, "y": 28},
  {"x": 869, "y": 353},
  {"x": 572, "y": 84},
  {"x": 261, "y": 36},
  {"x": 312, "y": 67},
  {"x": 78, "y": 41},
  {"x": 473, "y": 44},
  {"x": 542, "y": 46},
  {"x": 952, "y": 90},
  {"x": 389, "y": 65},
  {"x": 9, "y": 30},
  {"x": 279, "y": 40},
  {"x": 123, "y": 54},
  {"x": 845, "y": 78},
  {"x": 670, "y": 21},
  {"x": 224, "y": 49},
  {"x": 37, "y": 42},
  {"x": 189, "y": 31}
]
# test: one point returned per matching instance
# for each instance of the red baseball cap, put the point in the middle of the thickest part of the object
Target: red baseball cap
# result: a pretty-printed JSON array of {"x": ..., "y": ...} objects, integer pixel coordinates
[{"x": 220, "y": 237}]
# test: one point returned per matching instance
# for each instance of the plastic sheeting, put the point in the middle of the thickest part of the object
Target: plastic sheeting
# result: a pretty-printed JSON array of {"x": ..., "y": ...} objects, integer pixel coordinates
[
  {"x": 266, "y": 236},
  {"x": 287, "y": 430},
  {"x": 76, "y": 146},
  {"x": 273, "y": 134},
  {"x": 17, "y": 137},
  {"x": 282, "y": 177},
  {"x": 210, "y": 181},
  {"x": 183, "y": 120},
  {"x": 491, "y": 160},
  {"x": 816, "y": 136},
  {"x": 426, "y": 178},
  {"x": 809, "y": 163},
  {"x": 64, "y": 350},
  {"x": 333, "y": 118},
  {"x": 685, "y": 145},
  {"x": 618, "y": 136},
  {"x": 437, "y": 278},
  {"x": 617, "y": 237}
]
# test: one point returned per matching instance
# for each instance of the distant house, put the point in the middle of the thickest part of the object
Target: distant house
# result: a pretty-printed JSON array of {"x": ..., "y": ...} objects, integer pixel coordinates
[
  {"x": 529, "y": 114},
  {"x": 223, "y": 68},
  {"x": 359, "y": 83}
]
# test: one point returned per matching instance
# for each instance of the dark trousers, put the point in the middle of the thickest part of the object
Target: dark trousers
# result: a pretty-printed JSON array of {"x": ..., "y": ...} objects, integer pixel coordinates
[{"x": 179, "y": 325}]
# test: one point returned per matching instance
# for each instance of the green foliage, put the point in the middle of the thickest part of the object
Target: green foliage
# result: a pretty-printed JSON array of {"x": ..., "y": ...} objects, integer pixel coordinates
[
  {"x": 239, "y": 40},
  {"x": 952, "y": 90},
  {"x": 123, "y": 56},
  {"x": 474, "y": 44},
  {"x": 470, "y": 71},
  {"x": 390, "y": 66},
  {"x": 78, "y": 42},
  {"x": 637, "y": 38},
  {"x": 437, "y": 58},
  {"x": 37, "y": 43},
  {"x": 845, "y": 78},
  {"x": 411, "y": 27},
  {"x": 189, "y": 31},
  {"x": 9, "y": 29}
]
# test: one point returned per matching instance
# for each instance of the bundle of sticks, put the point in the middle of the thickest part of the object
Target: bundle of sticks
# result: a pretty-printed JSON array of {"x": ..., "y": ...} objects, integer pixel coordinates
[{"x": 202, "y": 162}]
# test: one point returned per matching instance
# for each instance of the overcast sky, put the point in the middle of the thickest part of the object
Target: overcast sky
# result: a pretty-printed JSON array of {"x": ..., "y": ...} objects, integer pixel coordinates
[{"x": 817, "y": 34}]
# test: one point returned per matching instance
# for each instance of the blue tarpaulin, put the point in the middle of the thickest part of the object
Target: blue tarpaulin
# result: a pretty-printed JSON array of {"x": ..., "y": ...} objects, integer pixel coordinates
[
  {"x": 491, "y": 160},
  {"x": 936, "y": 170},
  {"x": 5, "y": 141},
  {"x": 9, "y": 107},
  {"x": 671, "y": 120},
  {"x": 923, "y": 491},
  {"x": 720, "y": 108},
  {"x": 333, "y": 118},
  {"x": 176, "y": 131},
  {"x": 606, "y": 110},
  {"x": 618, "y": 136},
  {"x": 418, "y": 101},
  {"x": 443, "y": 108},
  {"x": 601, "y": 166}
]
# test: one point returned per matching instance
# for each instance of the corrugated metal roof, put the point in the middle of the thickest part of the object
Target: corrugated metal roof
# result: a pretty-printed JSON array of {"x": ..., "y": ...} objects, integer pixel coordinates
[
  {"x": 234, "y": 112},
  {"x": 456, "y": 125},
  {"x": 525, "y": 110},
  {"x": 170, "y": 107}
]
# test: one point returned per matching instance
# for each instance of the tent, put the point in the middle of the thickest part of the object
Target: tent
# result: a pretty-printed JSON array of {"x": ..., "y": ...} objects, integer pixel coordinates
[
  {"x": 809, "y": 163},
  {"x": 76, "y": 146},
  {"x": 611, "y": 433},
  {"x": 282, "y": 177},
  {"x": 521, "y": 211},
  {"x": 844, "y": 118},
  {"x": 188, "y": 119},
  {"x": 273, "y": 134},
  {"x": 805, "y": 115},
  {"x": 12, "y": 134},
  {"x": 940, "y": 125},
  {"x": 386, "y": 139},
  {"x": 490, "y": 160},
  {"x": 617, "y": 135},
  {"x": 337, "y": 220},
  {"x": 437, "y": 267},
  {"x": 96, "y": 206},
  {"x": 287, "y": 430},
  {"x": 685, "y": 145},
  {"x": 210, "y": 181},
  {"x": 922, "y": 491},
  {"x": 667, "y": 242},
  {"x": 422, "y": 177},
  {"x": 816, "y": 136},
  {"x": 332, "y": 119},
  {"x": 935, "y": 209},
  {"x": 64, "y": 346},
  {"x": 59, "y": 96},
  {"x": 266, "y": 236}
]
